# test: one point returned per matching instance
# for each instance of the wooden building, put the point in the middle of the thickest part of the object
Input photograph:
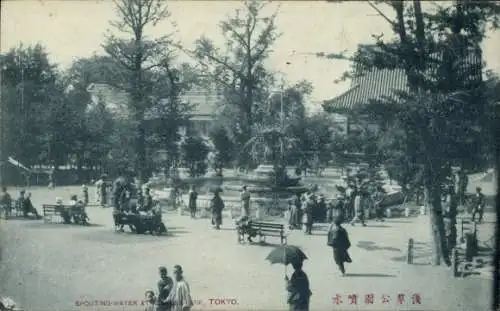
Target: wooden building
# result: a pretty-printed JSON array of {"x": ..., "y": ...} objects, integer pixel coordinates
[{"x": 379, "y": 84}]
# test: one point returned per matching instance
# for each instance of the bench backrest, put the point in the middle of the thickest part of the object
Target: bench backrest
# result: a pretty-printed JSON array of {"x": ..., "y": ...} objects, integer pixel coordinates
[
  {"x": 54, "y": 206},
  {"x": 266, "y": 225}
]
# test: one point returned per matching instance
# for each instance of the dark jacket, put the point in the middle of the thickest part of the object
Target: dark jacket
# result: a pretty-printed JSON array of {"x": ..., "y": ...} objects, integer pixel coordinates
[
  {"x": 338, "y": 239},
  {"x": 299, "y": 292}
]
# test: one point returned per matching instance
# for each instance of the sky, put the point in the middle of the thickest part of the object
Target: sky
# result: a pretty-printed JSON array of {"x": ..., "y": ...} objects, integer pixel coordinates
[{"x": 75, "y": 29}]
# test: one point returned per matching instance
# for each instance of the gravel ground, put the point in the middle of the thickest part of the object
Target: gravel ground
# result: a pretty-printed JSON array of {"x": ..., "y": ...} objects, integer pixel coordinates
[{"x": 53, "y": 266}]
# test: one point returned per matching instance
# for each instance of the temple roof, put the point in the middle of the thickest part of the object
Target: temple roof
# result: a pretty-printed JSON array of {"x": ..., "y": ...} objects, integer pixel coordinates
[
  {"x": 378, "y": 84},
  {"x": 375, "y": 85}
]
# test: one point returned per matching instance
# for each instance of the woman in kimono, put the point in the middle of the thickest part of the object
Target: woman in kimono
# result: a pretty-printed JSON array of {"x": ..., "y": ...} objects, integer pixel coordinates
[
  {"x": 193, "y": 196},
  {"x": 217, "y": 206},
  {"x": 338, "y": 239},
  {"x": 307, "y": 210},
  {"x": 299, "y": 292},
  {"x": 180, "y": 295}
]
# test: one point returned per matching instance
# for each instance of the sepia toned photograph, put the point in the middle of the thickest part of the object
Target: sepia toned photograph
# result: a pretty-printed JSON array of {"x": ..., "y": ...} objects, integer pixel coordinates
[{"x": 249, "y": 155}]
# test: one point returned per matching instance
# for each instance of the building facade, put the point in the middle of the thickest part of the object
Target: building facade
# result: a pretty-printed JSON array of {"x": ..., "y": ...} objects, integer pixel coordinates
[{"x": 204, "y": 106}]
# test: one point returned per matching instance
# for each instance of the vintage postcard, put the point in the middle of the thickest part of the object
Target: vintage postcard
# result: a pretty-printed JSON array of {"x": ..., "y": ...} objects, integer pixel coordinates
[{"x": 248, "y": 155}]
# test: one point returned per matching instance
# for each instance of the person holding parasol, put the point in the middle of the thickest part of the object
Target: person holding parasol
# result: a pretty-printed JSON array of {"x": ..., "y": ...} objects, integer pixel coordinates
[{"x": 297, "y": 286}]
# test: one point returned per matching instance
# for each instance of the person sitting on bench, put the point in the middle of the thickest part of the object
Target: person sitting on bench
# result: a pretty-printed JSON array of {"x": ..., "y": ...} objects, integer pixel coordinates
[
  {"x": 148, "y": 201},
  {"x": 244, "y": 227},
  {"x": 27, "y": 205},
  {"x": 81, "y": 216},
  {"x": 5, "y": 202}
]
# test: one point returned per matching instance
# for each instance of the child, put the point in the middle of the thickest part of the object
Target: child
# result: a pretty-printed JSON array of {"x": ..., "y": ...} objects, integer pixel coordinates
[{"x": 149, "y": 301}]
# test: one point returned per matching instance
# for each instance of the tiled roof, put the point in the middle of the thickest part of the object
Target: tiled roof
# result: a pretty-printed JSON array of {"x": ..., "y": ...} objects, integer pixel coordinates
[
  {"x": 379, "y": 84},
  {"x": 375, "y": 85}
]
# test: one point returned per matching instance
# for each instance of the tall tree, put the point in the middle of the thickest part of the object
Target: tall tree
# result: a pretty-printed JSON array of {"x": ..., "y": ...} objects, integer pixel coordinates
[
  {"x": 224, "y": 149},
  {"x": 31, "y": 93},
  {"x": 169, "y": 112},
  {"x": 239, "y": 68},
  {"x": 137, "y": 55},
  {"x": 440, "y": 54}
]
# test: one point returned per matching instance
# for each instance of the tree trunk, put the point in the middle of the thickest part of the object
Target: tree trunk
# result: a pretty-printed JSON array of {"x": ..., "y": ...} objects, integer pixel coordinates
[
  {"x": 79, "y": 166},
  {"x": 433, "y": 201},
  {"x": 140, "y": 165}
]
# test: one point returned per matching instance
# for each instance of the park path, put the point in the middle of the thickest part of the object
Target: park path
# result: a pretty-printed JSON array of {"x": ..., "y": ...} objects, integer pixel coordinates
[{"x": 51, "y": 266}]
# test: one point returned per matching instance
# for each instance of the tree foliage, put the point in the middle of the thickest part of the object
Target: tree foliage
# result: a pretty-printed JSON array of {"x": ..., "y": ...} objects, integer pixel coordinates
[
  {"x": 137, "y": 55},
  {"x": 238, "y": 67},
  {"x": 224, "y": 149},
  {"x": 441, "y": 57},
  {"x": 194, "y": 155},
  {"x": 38, "y": 129}
]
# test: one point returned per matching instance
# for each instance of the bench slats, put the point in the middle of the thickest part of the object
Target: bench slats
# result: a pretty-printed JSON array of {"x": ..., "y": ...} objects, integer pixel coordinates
[
  {"x": 264, "y": 229},
  {"x": 52, "y": 210}
]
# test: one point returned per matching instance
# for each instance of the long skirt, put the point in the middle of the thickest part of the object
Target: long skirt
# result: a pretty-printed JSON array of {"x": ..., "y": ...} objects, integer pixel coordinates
[
  {"x": 299, "y": 306},
  {"x": 341, "y": 256},
  {"x": 217, "y": 218}
]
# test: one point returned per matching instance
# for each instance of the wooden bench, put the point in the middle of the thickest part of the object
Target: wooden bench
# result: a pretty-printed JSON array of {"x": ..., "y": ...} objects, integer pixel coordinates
[
  {"x": 51, "y": 211},
  {"x": 16, "y": 209},
  {"x": 264, "y": 229}
]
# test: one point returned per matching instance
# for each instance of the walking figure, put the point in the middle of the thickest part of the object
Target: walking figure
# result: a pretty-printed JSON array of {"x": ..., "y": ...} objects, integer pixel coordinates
[
  {"x": 217, "y": 205},
  {"x": 299, "y": 292},
  {"x": 193, "y": 196},
  {"x": 338, "y": 240}
]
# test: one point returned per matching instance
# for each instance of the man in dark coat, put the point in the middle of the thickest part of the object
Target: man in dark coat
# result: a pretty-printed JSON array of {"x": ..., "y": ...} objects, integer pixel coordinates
[
  {"x": 217, "y": 206},
  {"x": 27, "y": 205},
  {"x": 299, "y": 292},
  {"x": 338, "y": 239}
]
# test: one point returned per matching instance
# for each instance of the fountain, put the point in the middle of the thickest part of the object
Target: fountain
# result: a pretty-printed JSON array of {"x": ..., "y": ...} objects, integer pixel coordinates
[{"x": 262, "y": 185}]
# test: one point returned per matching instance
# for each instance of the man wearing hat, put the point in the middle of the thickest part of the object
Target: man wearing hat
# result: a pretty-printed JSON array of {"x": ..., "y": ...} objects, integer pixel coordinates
[
  {"x": 165, "y": 285},
  {"x": 180, "y": 296}
]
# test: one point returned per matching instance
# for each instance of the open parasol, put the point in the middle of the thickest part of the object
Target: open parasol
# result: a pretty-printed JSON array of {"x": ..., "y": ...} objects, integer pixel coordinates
[{"x": 286, "y": 254}]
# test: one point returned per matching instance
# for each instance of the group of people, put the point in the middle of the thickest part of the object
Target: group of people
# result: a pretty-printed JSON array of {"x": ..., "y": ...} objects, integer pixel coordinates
[
  {"x": 305, "y": 210},
  {"x": 173, "y": 295},
  {"x": 74, "y": 211},
  {"x": 131, "y": 199},
  {"x": 103, "y": 188},
  {"x": 23, "y": 203},
  {"x": 350, "y": 205}
]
